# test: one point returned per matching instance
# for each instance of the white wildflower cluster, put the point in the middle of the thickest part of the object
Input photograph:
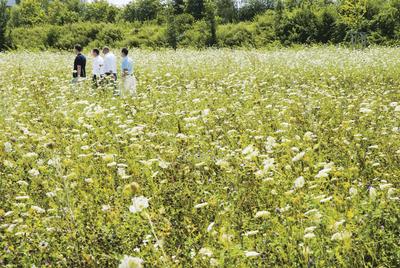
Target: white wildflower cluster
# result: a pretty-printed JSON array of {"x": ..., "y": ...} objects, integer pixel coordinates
[
  {"x": 250, "y": 153},
  {"x": 131, "y": 262},
  {"x": 138, "y": 204},
  {"x": 323, "y": 173}
]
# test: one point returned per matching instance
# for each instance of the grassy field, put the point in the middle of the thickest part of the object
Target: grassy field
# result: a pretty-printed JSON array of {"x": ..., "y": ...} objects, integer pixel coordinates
[{"x": 246, "y": 159}]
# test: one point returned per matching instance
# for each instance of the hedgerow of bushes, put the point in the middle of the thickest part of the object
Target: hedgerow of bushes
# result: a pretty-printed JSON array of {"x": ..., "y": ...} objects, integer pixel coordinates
[{"x": 272, "y": 28}]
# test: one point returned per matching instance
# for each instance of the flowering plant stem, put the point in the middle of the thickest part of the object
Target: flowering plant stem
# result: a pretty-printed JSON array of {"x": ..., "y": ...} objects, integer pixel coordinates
[{"x": 156, "y": 237}]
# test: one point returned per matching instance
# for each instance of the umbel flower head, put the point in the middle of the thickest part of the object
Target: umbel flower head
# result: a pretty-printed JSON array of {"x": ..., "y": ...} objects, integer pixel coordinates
[
  {"x": 138, "y": 204},
  {"x": 131, "y": 262},
  {"x": 8, "y": 147},
  {"x": 251, "y": 253},
  {"x": 299, "y": 182}
]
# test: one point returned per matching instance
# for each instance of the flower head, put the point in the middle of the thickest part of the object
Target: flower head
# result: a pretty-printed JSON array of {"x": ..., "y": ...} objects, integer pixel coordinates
[
  {"x": 131, "y": 262},
  {"x": 299, "y": 182},
  {"x": 341, "y": 236},
  {"x": 205, "y": 252},
  {"x": 251, "y": 253},
  {"x": 138, "y": 204},
  {"x": 298, "y": 157},
  {"x": 38, "y": 209},
  {"x": 201, "y": 205},
  {"x": 309, "y": 235},
  {"x": 262, "y": 214},
  {"x": 7, "y": 147}
]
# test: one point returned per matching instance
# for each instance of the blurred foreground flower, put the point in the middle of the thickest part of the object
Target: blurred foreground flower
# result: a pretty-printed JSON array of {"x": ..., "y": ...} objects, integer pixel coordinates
[
  {"x": 105, "y": 208},
  {"x": 7, "y": 147},
  {"x": 323, "y": 173},
  {"x": 298, "y": 157},
  {"x": 372, "y": 193},
  {"x": 38, "y": 209},
  {"x": 201, "y": 205},
  {"x": 108, "y": 157},
  {"x": 309, "y": 235},
  {"x": 209, "y": 228},
  {"x": 341, "y": 236},
  {"x": 33, "y": 172},
  {"x": 353, "y": 191},
  {"x": 261, "y": 214},
  {"x": 251, "y": 253},
  {"x": 205, "y": 252},
  {"x": 131, "y": 262},
  {"x": 138, "y": 204},
  {"x": 299, "y": 182}
]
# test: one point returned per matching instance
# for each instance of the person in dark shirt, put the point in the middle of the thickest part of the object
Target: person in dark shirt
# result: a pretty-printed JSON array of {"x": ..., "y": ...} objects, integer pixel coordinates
[{"x": 79, "y": 64}]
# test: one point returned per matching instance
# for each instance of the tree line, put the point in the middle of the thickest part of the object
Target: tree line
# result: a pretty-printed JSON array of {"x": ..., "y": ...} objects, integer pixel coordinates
[{"x": 197, "y": 23}]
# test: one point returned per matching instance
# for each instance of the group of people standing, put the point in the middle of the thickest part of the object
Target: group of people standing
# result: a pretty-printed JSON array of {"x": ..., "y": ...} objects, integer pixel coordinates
[{"x": 104, "y": 69}]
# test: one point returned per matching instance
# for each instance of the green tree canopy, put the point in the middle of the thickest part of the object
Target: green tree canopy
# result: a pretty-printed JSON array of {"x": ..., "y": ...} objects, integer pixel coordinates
[
  {"x": 28, "y": 13},
  {"x": 3, "y": 23},
  {"x": 196, "y": 8}
]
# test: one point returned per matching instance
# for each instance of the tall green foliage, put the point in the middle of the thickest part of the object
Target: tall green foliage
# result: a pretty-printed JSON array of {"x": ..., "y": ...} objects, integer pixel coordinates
[
  {"x": 59, "y": 13},
  {"x": 172, "y": 34},
  {"x": 142, "y": 10},
  {"x": 226, "y": 10},
  {"x": 212, "y": 23},
  {"x": 352, "y": 13},
  {"x": 196, "y": 8},
  {"x": 178, "y": 7},
  {"x": 251, "y": 8},
  {"x": 3, "y": 23},
  {"x": 100, "y": 11},
  {"x": 28, "y": 13}
]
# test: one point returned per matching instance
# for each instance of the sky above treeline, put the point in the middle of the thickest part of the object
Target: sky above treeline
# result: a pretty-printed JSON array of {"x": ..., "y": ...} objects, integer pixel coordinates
[{"x": 118, "y": 2}]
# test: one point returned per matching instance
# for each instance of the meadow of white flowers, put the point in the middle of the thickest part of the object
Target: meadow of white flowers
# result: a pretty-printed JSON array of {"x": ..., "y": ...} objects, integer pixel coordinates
[{"x": 224, "y": 158}]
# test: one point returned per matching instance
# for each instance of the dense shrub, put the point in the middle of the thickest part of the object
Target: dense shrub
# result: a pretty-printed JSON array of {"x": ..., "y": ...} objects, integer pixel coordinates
[
  {"x": 197, "y": 36},
  {"x": 54, "y": 36},
  {"x": 110, "y": 35},
  {"x": 101, "y": 11},
  {"x": 265, "y": 33},
  {"x": 149, "y": 36},
  {"x": 303, "y": 27},
  {"x": 251, "y": 8},
  {"x": 327, "y": 29},
  {"x": 33, "y": 38},
  {"x": 236, "y": 35}
]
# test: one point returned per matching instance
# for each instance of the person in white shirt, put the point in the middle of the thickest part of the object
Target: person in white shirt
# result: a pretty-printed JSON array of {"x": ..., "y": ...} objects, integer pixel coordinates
[
  {"x": 110, "y": 63},
  {"x": 98, "y": 67}
]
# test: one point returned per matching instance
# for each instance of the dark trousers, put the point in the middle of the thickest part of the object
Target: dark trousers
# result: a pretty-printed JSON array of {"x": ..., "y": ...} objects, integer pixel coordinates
[
  {"x": 112, "y": 74},
  {"x": 96, "y": 80}
]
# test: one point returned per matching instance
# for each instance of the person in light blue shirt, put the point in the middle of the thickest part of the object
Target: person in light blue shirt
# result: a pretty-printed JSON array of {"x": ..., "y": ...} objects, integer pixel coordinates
[
  {"x": 128, "y": 85},
  {"x": 127, "y": 63}
]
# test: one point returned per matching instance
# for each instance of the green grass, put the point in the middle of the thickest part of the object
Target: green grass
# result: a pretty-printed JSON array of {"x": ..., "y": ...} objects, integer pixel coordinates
[{"x": 219, "y": 128}]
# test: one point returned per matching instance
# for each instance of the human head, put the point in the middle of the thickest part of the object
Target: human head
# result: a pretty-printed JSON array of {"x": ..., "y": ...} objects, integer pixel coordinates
[
  {"x": 124, "y": 52},
  {"x": 95, "y": 52},
  {"x": 78, "y": 48},
  {"x": 106, "y": 50}
]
